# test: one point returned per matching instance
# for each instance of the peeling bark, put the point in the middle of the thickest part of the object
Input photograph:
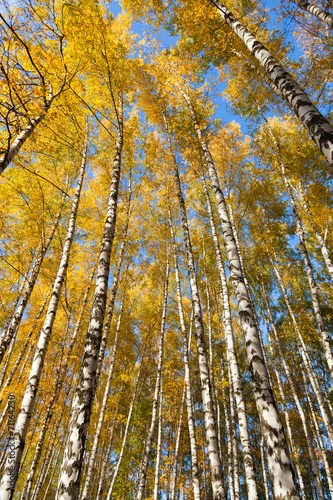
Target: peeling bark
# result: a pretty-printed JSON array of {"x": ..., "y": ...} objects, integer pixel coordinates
[
  {"x": 70, "y": 476},
  {"x": 316, "y": 124},
  {"x": 22, "y": 424}
]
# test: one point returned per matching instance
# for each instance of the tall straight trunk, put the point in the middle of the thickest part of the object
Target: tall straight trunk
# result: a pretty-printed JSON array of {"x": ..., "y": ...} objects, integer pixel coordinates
[
  {"x": 114, "y": 289},
  {"x": 279, "y": 463},
  {"x": 150, "y": 434},
  {"x": 46, "y": 461},
  {"x": 121, "y": 454},
  {"x": 102, "y": 410},
  {"x": 210, "y": 340},
  {"x": 100, "y": 489},
  {"x": 58, "y": 386},
  {"x": 263, "y": 468},
  {"x": 205, "y": 382},
  {"x": 308, "y": 266},
  {"x": 320, "y": 239},
  {"x": 229, "y": 445},
  {"x": 177, "y": 446},
  {"x": 290, "y": 434},
  {"x": 189, "y": 406},
  {"x": 25, "y": 345},
  {"x": 159, "y": 444},
  {"x": 233, "y": 368},
  {"x": 21, "y": 428},
  {"x": 16, "y": 320},
  {"x": 316, "y": 124},
  {"x": 306, "y": 360},
  {"x": 316, "y": 11},
  {"x": 299, "y": 406},
  {"x": 234, "y": 443},
  {"x": 35, "y": 496},
  {"x": 321, "y": 446},
  {"x": 45, "y": 469},
  {"x": 14, "y": 306},
  {"x": 70, "y": 476}
]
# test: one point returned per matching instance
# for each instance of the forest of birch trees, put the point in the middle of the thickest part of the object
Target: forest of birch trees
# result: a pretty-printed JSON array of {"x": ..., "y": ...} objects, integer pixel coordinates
[{"x": 166, "y": 207}]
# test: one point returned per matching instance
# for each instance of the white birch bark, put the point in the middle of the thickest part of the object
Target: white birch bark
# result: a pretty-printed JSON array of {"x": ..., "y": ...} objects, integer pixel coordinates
[
  {"x": 321, "y": 446},
  {"x": 279, "y": 463},
  {"x": 57, "y": 389},
  {"x": 316, "y": 124},
  {"x": 25, "y": 346},
  {"x": 159, "y": 443},
  {"x": 15, "y": 323},
  {"x": 234, "y": 443},
  {"x": 263, "y": 468},
  {"x": 150, "y": 435},
  {"x": 177, "y": 446},
  {"x": 46, "y": 461},
  {"x": 18, "y": 142},
  {"x": 307, "y": 433},
  {"x": 70, "y": 476},
  {"x": 307, "y": 262},
  {"x": 316, "y": 11},
  {"x": 306, "y": 360},
  {"x": 102, "y": 410},
  {"x": 229, "y": 445},
  {"x": 114, "y": 288},
  {"x": 320, "y": 239},
  {"x": 205, "y": 382},
  {"x": 21, "y": 428},
  {"x": 100, "y": 489},
  {"x": 123, "y": 445},
  {"x": 290, "y": 434},
  {"x": 189, "y": 406},
  {"x": 233, "y": 368},
  {"x": 35, "y": 495}
]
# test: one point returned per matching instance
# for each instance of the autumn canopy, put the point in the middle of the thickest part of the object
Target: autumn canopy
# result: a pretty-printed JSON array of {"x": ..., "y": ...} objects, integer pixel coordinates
[{"x": 166, "y": 206}]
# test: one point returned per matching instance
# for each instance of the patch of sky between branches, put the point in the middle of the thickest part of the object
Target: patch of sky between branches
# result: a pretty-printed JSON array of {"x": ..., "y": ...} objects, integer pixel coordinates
[{"x": 223, "y": 111}]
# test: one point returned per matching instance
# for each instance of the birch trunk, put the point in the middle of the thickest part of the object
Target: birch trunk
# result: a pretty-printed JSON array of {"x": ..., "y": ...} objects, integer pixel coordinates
[
  {"x": 290, "y": 435},
  {"x": 233, "y": 368},
  {"x": 316, "y": 11},
  {"x": 234, "y": 443},
  {"x": 321, "y": 446},
  {"x": 35, "y": 496},
  {"x": 306, "y": 360},
  {"x": 320, "y": 239},
  {"x": 229, "y": 446},
  {"x": 159, "y": 444},
  {"x": 46, "y": 462},
  {"x": 100, "y": 489},
  {"x": 205, "y": 382},
  {"x": 177, "y": 446},
  {"x": 189, "y": 406},
  {"x": 25, "y": 345},
  {"x": 313, "y": 458},
  {"x": 97, "y": 434},
  {"x": 121, "y": 454},
  {"x": 316, "y": 124},
  {"x": 17, "y": 143},
  {"x": 57, "y": 389},
  {"x": 21, "y": 428},
  {"x": 15, "y": 323},
  {"x": 150, "y": 435},
  {"x": 308, "y": 266},
  {"x": 70, "y": 476},
  {"x": 114, "y": 289},
  {"x": 279, "y": 463},
  {"x": 263, "y": 468}
]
